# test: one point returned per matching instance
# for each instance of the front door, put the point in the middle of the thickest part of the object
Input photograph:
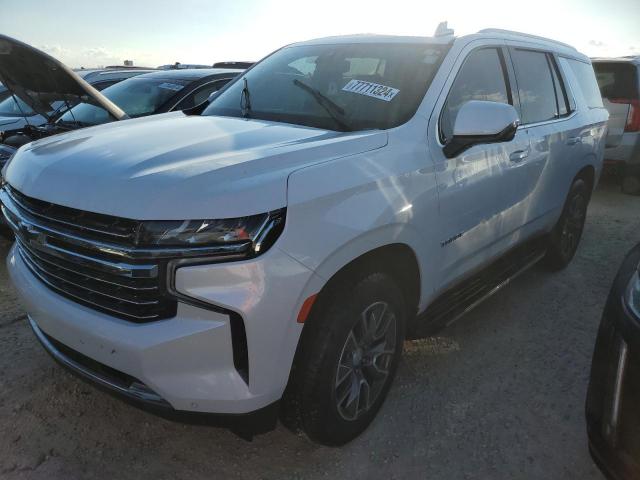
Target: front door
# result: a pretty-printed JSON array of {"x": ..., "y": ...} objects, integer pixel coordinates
[{"x": 473, "y": 188}]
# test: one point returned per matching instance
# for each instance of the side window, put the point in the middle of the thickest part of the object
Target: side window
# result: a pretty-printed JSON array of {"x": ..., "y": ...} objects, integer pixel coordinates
[
  {"x": 104, "y": 84},
  {"x": 200, "y": 94},
  {"x": 535, "y": 86},
  {"x": 482, "y": 77},
  {"x": 588, "y": 84}
]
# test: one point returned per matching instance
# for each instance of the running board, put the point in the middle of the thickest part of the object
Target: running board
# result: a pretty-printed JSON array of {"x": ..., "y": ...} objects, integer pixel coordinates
[{"x": 473, "y": 290}]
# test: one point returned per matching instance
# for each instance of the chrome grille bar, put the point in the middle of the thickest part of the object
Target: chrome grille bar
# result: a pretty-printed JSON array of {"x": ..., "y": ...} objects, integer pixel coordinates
[{"x": 75, "y": 254}]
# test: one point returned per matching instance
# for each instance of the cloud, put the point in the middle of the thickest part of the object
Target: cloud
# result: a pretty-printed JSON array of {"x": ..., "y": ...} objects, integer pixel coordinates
[
  {"x": 597, "y": 43},
  {"x": 96, "y": 56},
  {"x": 54, "y": 50}
]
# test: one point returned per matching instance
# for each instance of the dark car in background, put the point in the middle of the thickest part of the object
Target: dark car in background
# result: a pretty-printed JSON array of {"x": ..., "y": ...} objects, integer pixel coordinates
[
  {"x": 613, "y": 399},
  {"x": 15, "y": 113},
  {"x": 69, "y": 100},
  {"x": 150, "y": 94},
  {"x": 619, "y": 82}
]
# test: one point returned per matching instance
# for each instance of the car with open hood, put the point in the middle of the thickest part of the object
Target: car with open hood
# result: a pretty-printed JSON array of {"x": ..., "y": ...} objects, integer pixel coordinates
[
  {"x": 17, "y": 117},
  {"x": 45, "y": 104},
  {"x": 42, "y": 87},
  {"x": 267, "y": 257}
]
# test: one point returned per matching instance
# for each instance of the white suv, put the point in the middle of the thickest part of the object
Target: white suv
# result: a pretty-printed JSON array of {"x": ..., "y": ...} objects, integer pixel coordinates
[{"x": 270, "y": 255}]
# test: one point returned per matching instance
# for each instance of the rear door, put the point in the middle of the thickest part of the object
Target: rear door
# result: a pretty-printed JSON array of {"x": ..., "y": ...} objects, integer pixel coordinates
[
  {"x": 546, "y": 116},
  {"x": 618, "y": 82}
]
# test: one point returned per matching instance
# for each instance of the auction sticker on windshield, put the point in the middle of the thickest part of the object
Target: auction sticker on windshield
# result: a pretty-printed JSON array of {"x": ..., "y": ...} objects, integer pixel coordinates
[{"x": 370, "y": 89}]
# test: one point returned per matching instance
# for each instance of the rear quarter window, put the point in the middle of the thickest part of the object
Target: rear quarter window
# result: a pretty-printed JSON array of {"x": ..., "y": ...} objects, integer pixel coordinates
[{"x": 587, "y": 81}]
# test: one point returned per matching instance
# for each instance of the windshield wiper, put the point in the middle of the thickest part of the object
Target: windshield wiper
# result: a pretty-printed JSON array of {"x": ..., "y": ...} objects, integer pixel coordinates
[
  {"x": 245, "y": 99},
  {"x": 335, "y": 111}
]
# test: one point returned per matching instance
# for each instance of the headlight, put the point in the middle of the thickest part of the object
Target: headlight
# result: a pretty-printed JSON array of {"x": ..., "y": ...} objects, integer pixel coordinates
[
  {"x": 256, "y": 233},
  {"x": 632, "y": 295}
]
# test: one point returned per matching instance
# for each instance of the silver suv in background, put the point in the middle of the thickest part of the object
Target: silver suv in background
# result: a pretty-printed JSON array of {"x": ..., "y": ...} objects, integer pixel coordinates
[{"x": 619, "y": 83}]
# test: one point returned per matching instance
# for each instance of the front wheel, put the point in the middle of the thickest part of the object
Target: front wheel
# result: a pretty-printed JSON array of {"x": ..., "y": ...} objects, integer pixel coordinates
[
  {"x": 347, "y": 359},
  {"x": 566, "y": 235}
]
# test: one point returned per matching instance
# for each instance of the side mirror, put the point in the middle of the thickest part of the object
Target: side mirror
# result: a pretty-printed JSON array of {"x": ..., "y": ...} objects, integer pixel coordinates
[{"x": 480, "y": 122}]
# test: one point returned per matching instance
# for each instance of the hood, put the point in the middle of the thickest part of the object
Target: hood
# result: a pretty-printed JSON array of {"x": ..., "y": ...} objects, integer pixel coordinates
[
  {"x": 39, "y": 80},
  {"x": 177, "y": 167}
]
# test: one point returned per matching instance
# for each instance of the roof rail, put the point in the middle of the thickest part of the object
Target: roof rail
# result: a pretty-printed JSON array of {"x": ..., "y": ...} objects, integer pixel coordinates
[{"x": 527, "y": 35}]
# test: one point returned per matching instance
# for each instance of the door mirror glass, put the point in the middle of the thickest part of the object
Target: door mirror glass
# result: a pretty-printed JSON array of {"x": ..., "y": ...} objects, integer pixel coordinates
[{"x": 480, "y": 122}]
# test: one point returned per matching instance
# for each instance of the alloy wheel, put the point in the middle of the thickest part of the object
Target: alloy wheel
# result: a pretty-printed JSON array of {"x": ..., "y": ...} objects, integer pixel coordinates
[{"x": 366, "y": 360}]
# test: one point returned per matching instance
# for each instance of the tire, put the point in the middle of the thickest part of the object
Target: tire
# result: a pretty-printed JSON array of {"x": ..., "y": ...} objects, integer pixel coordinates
[
  {"x": 565, "y": 236},
  {"x": 335, "y": 354},
  {"x": 631, "y": 184}
]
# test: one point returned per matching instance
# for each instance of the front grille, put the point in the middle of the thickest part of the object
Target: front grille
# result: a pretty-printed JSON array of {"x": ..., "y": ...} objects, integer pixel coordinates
[{"x": 90, "y": 258}]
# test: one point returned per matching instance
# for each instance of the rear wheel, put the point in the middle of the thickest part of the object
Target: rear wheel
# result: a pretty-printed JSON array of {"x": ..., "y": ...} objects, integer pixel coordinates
[
  {"x": 347, "y": 359},
  {"x": 566, "y": 235}
]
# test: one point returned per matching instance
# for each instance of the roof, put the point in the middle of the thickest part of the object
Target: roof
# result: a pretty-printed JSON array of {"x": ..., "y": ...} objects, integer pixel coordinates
[
  {"x": 190, "y": 74},
  {"x": 493, "y": 33},
  {"x": 373, "y": 38},
  {"x": 635, "y": 59},
  {"x": 115, "y": 73}
]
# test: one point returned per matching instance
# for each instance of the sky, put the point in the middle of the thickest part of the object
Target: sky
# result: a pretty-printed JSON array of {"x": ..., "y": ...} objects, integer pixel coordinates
[{"x": 89, "y": 33}]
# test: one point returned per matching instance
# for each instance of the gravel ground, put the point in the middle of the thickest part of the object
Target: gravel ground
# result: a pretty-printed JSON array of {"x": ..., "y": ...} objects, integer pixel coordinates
[{"x": 499, "y": 395}]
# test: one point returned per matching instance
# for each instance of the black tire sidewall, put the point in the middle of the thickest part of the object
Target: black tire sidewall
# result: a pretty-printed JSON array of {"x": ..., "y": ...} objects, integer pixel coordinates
[
  {"x": 321, "y": 419},
  {"x": 556, "y": 258}
]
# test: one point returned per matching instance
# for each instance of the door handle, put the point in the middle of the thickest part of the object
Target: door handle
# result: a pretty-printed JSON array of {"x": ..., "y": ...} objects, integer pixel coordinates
[
  {"x": 574, "y": 140},
  {"x": 519, "y": 155}
]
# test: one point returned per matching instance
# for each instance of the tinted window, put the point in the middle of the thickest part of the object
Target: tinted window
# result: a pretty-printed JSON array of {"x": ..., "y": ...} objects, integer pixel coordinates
[
  {"x": 200, "y": 94},
  {"x": 535, "y": 86},
  {"x": 617, "y": 80},
  {"x": 481, "y": 77},
  {"x": 102, "y": 85},
  {"x": 587, "y": 80},
  {"x": 137, "y": 96},
  {"x": 337, "y": 87}
]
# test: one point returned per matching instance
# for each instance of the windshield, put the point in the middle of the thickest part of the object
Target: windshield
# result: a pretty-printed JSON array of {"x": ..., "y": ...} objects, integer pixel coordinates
[
  {"x": 337, "y": 87},
  {"x": 136, "y": 96},
  {"x": 14, "y": 107}
]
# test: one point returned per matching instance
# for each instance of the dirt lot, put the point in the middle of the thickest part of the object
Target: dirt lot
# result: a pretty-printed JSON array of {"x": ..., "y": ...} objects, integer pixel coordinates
[{"x": 498, "y": 396}]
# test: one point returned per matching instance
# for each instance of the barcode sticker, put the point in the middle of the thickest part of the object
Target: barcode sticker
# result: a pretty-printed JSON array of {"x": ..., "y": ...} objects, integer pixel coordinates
[{"x": 375, "y": 90}]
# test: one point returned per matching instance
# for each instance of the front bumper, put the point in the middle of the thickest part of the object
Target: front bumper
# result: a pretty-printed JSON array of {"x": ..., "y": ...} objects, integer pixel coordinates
[
  {"x": 188, "y": 361},
  {"x": 613, "y": 415}
]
